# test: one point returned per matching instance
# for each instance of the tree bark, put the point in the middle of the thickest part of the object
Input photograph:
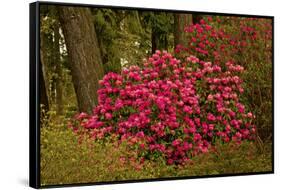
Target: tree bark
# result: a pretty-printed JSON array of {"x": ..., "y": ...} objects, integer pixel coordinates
[
  {"x": 180, "y": 22},
  {"x": 42, "y": 79},
  {"x": 159, "y": 41},
  {"x": 83, "y": 53},
  {"x": 58, "y": 69},
  {"x": 159, "y": 36}
]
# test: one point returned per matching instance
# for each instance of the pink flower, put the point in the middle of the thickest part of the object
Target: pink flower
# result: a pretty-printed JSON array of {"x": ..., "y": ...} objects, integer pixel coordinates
[
  {"x": 142, "y": 146},
  {"x": 170, "y": 161},
  {"x": 228, "y": 128},
  {"x": 211, "y": 117},
  {"x": 211, "y": 127},
  {"x": 176, "y": 142},
  {"x": 208, "y": 27},
  {"x": 253, "y": 130},
  {"x": 82, "y": 115},
  {"x": 118, "y": 82},
  {"x": 238, "y": 135},
  {"x": 108, "y": 116},
  {"x": 250, "y": 115},
  {"x": 140, "y": 134},
  {"x": 210, "y": 97},
  {"x": 187, "y": 109}
]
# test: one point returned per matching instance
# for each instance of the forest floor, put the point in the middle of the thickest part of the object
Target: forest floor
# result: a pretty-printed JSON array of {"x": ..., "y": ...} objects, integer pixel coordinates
[{"x": 65, "y": 161}]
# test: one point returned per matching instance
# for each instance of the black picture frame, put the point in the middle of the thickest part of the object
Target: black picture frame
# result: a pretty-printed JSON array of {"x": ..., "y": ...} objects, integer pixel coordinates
[{"x": 34, "y": 93}]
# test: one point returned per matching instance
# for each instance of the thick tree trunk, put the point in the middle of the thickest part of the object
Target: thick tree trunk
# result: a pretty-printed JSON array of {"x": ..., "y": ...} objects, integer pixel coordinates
[
  {"x": 84, "y": 54},
  {"x": 180, "y": 22}
]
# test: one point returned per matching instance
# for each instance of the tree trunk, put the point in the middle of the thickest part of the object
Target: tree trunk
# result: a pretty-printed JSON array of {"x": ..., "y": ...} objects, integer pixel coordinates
[
  {"x": 58, "y": 69},
  {"x": 153, "y": 42},
  {"x": 159, "y": 41},
  {"x": 180, "y": 22},
  {"x": 83, "y": 53},
  {"x": 196, "y": 18},
  {"x": 159, "y": 36},
  {"x": 42, "y": 79}
]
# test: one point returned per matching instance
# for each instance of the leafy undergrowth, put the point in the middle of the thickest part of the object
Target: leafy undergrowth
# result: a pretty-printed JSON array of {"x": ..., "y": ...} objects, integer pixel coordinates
[{"x": 65, "y": 161}]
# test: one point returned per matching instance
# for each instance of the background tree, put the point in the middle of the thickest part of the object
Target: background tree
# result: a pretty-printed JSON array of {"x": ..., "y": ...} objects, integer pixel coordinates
[
  {"x": 43, "y": 92},
  {"x": 57, "y": 64},
  {"x": 134, "y": 38},
  {"x": 106, "y": 22},
  {"x": 180, "y": 22},
  {"x": 160, "y": 29},
  {"x": 84, "y": 54},
  {"x": 196, "y": 18},
  {"x": 51, "y": 62},
  {"x": 160, "y": 25}
]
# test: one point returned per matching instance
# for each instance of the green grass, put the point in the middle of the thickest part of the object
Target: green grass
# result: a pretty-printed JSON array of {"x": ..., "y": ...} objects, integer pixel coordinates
[{"x": 64, "y": 160}]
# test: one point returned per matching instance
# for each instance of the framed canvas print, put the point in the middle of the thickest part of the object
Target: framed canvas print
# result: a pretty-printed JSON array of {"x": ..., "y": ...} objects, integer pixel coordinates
[{"x": 122, "y": 94}]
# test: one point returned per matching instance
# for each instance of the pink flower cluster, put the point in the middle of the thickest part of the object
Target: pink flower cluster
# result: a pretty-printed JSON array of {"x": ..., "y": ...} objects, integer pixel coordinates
[
  {"x": 170, "y": 107},
  {"x": 220, "y": 44}
]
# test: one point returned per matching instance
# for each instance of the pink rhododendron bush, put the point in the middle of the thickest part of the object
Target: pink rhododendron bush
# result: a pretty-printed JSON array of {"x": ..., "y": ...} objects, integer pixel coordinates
[
  {"x": 212, "y": 42},
  {"x": 171, "y": 108}
]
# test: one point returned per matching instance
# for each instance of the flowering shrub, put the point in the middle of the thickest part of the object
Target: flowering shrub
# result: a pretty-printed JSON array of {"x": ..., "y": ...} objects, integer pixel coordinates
[
  {"x": 216, "y": 39},
  {"x": 170, "y": 107},
  {"x": 246, "y": 41}
]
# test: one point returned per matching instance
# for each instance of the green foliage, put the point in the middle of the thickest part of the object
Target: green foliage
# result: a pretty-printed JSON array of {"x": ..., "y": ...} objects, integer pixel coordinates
[
  {"x": 67, "y": 159},
  {"x": 230, "y": 159},
  {"x": 161, "y": 22},
  {"x": 160, "y": 25},
  {"x": 55, "y": 67},
  {"x": 134, "y": 39},
  {"x": 105, "y": 23}
]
